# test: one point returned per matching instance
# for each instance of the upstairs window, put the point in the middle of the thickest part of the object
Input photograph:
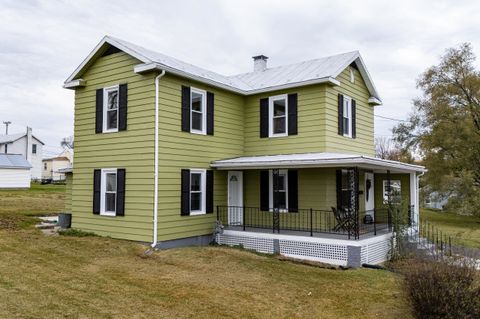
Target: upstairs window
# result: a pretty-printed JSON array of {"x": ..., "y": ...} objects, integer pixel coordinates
[
  {"x": 110, "y": 109},
  {"x": 278, "y": 115},
  {"x": 347, "y": 116},
  {"x": 34, "y": 148},
  {"x": 198, "y": 111}
]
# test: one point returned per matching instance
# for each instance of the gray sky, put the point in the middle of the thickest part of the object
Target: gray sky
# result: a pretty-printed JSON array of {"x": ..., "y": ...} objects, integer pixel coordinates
[{"x": 42, "y": 42}]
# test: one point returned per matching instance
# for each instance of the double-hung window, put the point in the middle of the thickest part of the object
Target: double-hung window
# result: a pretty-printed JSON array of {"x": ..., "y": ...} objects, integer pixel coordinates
[
  {"x": 347, "y": 116},
  {"x": 392, "y": 191},
  {"x": 197, "y": 192},
  {"x": 282, "y": 190},
  {"x": 278, "y": 115},
  {"x": 108, "y": 192},
  {"x": 198, "y": 114},
  {"x": 347, "y": 190},
  {"x": 110, "y": 109},
  {"x": 34, "y": 148}
]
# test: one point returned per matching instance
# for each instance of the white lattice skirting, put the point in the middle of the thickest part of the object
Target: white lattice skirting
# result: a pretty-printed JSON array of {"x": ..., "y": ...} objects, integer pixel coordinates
[{"x": 332, "y": 251}]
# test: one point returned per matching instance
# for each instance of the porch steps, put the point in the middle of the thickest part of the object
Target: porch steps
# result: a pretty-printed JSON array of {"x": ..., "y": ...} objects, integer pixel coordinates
[{"x": 48, "y": 225}]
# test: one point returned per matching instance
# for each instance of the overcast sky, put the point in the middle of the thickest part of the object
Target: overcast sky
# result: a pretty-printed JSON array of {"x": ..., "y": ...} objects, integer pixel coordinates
[{"x": 42, "y": 42}]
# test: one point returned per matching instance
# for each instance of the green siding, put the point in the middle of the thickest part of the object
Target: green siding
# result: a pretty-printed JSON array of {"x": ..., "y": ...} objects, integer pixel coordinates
[
  {"x": 179, "y": 150},
  {"x": 131, "y": 149}
]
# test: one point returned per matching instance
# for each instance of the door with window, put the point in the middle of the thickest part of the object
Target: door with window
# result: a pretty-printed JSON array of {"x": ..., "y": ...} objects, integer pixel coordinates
[
  {"x": 235, "y": 198},
  {"x": 369, "y": 193}
]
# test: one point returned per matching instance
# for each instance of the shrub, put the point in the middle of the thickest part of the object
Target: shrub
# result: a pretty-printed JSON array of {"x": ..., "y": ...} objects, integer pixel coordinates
[
  {"x": 72, "y": 232},
  {"x": 442, "y": 289}
]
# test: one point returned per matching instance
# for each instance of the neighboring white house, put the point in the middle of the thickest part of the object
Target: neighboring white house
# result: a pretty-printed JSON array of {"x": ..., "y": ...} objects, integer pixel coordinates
[
  {"x": 14, "y": 171},
  {"x": 27, "y": 145},
  {"x": 436, "y": 200},
  {"x": 51, "y": 167}
]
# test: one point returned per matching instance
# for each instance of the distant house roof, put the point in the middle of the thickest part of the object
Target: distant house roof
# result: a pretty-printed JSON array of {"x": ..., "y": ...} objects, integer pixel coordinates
[
  {"x": 314, "y": 160},
  {"x": 323, "y": 70},
  {"x": 10, "y": 138},
  {"x": 13, "y": 161},
  {"x": 56, "y": 158},
  {"x": 65, "y": 170}
]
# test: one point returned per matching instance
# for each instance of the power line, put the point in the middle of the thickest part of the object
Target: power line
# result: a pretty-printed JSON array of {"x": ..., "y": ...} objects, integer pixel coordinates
[{"x": 389, "y": 118}]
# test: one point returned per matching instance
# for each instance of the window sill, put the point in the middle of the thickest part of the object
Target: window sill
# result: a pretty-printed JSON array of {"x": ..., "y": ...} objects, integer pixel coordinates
[
  {"x": 347, "y": 136},
  {"x": 197, "y": 213},
  {"x": 110, "y": 131},
  {"x": 108, "y": 214},
  {"x": 198, "y": 132},
  {"x": 278, "y": 135}
]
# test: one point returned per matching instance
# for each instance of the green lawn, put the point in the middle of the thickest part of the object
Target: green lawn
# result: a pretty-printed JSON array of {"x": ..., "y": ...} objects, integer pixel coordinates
[
  {"x": 94, "y": 277},
  {"x": 465, "y": 230}
]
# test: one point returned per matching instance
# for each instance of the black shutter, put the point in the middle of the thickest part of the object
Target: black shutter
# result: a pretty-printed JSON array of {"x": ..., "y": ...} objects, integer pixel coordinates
[
  {"x": 210, "y": 112},
  {"x": 122, "y": 110},
  {"x": 209, "y": 195},
  {"x": 99, "y": 111},
  {"x": 120, "y": 209},
  {"x": 185, "y": 108},
  {"x": 97, "y": 182},
  {"x": 185, "y": 198},
  {"x": 340, "y": 114},
  {"x": 264, "y": 190},
  {"x": 292, "y": 191},
  {"x": 292, "y": 114},
  {"x": 264, "y": 117},
  {"x": 339, "y": 188},
  {"x": 354, "y": 119}
]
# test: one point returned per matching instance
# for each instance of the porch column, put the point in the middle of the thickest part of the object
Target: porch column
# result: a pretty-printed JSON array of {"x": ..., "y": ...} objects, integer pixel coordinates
[
  {"x": 276, "y": 210},
  {"x": 414, "y": 199}
]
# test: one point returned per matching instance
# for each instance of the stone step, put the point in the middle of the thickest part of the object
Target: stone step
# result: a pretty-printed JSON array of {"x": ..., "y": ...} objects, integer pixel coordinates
[{"x": 45, "y": 226}]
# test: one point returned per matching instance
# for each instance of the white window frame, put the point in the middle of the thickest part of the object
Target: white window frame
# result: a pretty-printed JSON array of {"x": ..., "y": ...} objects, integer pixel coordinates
[
  {"x": 203, "y": 131},
  {"x": 270, "y": 183},
  {"x": 384, "y": 192},
  {"x": 203, "y": 189},
  {"x": 347, "y": 106},
  {"x": 272, "y": 99},
  {"x": 103, "y": 187},
  {"x": 105, "y": 102}
]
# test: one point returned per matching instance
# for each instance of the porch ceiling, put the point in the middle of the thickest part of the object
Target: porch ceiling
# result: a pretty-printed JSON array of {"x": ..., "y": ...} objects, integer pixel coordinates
[{"x": 312, "y": 160}]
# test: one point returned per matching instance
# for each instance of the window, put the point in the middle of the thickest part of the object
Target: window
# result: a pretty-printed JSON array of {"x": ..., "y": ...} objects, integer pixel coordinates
[
  {"x": 34, "y": 148},
  {"x": 394, "y": 191},
  {"x": 198, "y": 112},
  {"x": 282, "y": 195},
  {"x": 197, "y": 192},
  {"x": 108, "y": 192},
  {"x": 278, "y": 115},
  {"x": 347, "y": 116},
  {"x": 352, "y": 75},
  {"x": 110, "y": 109},
  {"x": 45, "y": 166},
  {"x": 347, "y": 190}
]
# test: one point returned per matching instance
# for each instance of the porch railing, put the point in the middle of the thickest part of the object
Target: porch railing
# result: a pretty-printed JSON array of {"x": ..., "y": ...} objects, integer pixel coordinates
[{"x": 306, "y": 221}]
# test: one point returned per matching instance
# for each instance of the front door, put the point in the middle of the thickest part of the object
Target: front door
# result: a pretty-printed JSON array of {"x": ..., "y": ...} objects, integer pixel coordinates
[
  {"x": 235, "y": 198},
  {"x": 369, "y": 193}
]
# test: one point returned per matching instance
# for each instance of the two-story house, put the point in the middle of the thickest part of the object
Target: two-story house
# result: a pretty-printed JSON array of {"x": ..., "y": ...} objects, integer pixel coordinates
[
  {"x": 282, "y": 158},
  {"x": 27, "y": 145}
]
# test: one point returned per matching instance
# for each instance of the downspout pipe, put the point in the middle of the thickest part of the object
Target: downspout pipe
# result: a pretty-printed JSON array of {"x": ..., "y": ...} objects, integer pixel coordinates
[{"x": 155, "y": 183}]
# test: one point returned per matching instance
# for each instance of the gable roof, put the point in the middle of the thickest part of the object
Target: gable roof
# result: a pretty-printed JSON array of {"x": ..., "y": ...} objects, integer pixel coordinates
[
  {"x": 13, "y": 161},
  {"x": 323, "y": 70},
  {"x": 10, "y": 138}
]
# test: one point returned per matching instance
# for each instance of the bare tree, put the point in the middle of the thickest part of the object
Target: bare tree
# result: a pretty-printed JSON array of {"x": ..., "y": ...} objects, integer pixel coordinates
[{"x": 67, "y": 142}]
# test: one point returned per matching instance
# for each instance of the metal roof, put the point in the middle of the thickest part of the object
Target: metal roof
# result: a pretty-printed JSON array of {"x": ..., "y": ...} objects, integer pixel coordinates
[
  {"x": 308, "y": 72},
  {"x": 306, "y": 160},
  {"x": 13, "y": 137},
  {"x": 13, "y": 161}
]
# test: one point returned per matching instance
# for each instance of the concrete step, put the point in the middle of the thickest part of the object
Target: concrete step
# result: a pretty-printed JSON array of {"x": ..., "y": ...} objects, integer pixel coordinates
[{"x": 45, "y": 226}]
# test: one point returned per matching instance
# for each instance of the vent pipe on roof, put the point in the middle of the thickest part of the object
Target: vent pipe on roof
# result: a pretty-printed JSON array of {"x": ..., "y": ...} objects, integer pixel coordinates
[{"x": 259, "y": 63}]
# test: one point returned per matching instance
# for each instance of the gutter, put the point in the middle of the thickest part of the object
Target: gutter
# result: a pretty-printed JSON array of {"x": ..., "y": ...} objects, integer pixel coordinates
[{"x": 155, "y": 194}]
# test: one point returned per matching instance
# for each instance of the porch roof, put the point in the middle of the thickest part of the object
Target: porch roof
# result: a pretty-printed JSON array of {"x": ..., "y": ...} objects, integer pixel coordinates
[{"x": 306, "y": 160}]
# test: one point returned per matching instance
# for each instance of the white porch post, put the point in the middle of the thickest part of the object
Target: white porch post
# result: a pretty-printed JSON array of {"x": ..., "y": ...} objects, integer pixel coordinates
[{"x": 414, "y": 198}]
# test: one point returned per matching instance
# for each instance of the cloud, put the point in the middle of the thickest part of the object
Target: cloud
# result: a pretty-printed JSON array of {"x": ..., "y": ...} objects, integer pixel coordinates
[{"x": 42, "y": 42}]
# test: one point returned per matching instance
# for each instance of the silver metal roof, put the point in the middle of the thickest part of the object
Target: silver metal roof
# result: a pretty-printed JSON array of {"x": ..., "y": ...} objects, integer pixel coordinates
[
  {"x": 13, "y": 161},
  {"x": 308, "y": 72},
  {"x": 315, "y": 160},
  {"x": 13, "y": 137}
]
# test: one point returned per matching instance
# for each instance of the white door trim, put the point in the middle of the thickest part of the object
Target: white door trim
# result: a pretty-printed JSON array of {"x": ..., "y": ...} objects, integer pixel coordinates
[{"x": 235, "y": 214}]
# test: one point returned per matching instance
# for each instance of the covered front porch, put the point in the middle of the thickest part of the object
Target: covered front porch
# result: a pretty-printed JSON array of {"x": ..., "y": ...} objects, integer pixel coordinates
[{"x": 317, "y": 195}]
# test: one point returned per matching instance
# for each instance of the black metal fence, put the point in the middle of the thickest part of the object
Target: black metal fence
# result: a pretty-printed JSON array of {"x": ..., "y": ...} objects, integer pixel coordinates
[{"x": 309, "y": 221}]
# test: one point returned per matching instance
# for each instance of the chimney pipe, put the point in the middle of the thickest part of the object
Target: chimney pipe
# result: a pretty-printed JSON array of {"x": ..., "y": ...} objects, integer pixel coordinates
[{"x": 259, "y": 63}]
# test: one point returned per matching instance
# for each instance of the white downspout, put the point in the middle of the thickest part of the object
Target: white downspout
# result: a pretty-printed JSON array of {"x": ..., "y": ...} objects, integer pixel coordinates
[{"x": 155, "y": 194}]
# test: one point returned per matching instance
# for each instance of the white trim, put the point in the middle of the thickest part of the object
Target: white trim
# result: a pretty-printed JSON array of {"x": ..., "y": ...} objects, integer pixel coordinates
[
  {"x": 103, "y": 186},
  {"x": 203, "y": 93},
  {"x": 271, "y": 100},
  {"x": 74, "y": 84},
  {"x": 238, "y": 174},
  {"x": 374, "y": 101},
  {"x": 348, "y": 108},
  {"x": 107, "y": 90},
  {"x": 203, "y": 189},
  {"x": 352, "y": 74},
  {"x": 270, "y": 189}
]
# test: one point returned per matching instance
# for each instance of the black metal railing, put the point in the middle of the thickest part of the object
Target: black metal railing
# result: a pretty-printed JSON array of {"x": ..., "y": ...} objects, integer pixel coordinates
[{"x": 307, "y": 221}]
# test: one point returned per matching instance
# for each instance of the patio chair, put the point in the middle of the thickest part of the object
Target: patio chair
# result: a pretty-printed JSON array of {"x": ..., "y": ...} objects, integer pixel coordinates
[{"x": 344, "y": 220}]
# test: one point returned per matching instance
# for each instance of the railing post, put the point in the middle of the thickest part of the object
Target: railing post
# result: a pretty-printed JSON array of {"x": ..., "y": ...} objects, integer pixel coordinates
[
  {"x": 311, "y": 222},
  {"x": 218, "y": 214},
  {"x": 243, "y": 216}
]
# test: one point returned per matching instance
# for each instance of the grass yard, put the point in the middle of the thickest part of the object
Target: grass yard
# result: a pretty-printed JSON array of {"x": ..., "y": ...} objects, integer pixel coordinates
[
  {"x": 94, "y": 277},
  {"x": 465, "y": 230}
]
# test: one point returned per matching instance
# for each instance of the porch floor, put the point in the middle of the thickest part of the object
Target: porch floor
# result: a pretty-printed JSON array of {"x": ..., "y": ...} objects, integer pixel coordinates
[{"x": 383, "y": 229}]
